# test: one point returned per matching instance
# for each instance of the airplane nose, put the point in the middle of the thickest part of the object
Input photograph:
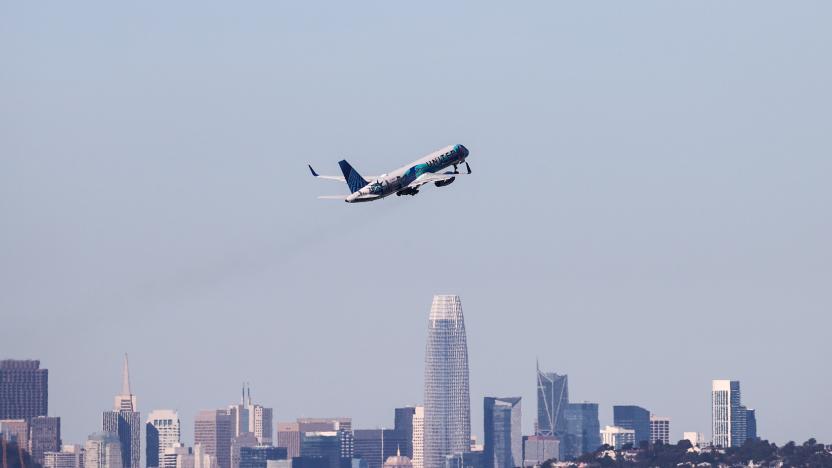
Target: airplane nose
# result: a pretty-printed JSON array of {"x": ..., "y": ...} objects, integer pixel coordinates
[{"x": 462, "y": 150}]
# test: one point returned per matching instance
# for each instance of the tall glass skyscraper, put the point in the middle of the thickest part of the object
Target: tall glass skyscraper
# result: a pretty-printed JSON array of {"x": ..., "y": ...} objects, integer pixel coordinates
[
  {"x": 503, "y": 432},
  {"x": 635, "y": 418},
  {"x": 583, "y": 431},
  {"x": 552, "y": 398},
  {"x": 447, "y": 398},
  {"x": 728, "y": 416}
]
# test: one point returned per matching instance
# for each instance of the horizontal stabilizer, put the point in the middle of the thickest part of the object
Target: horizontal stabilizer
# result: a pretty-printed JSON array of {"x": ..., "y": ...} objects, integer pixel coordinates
[
  {"x": 333, "y": 197},
  {"x": 330, "y": 177}
]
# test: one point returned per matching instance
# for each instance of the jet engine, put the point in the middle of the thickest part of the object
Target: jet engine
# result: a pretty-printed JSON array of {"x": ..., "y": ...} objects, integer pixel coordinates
[{"x": 442, "y": 183}]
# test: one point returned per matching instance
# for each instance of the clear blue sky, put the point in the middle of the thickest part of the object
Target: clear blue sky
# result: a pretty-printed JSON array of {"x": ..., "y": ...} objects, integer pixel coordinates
[{"x": 649, "y": 209}]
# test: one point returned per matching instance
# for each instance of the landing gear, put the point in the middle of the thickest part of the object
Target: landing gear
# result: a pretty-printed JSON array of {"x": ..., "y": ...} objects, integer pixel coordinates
[
  {"x": 456, "y": 169},
  {"x": 468, "y": 167}
]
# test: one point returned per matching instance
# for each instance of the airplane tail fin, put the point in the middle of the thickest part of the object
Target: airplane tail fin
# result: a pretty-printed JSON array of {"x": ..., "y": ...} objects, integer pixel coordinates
[{"x": 354, "y": 179}]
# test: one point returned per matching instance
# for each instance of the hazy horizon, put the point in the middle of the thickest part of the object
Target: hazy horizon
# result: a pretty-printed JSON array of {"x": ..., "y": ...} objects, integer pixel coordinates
[{"x": 648, "y": 209}]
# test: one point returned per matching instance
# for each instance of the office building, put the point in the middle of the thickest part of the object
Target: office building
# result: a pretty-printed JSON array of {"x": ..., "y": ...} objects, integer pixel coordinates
[
  {"x": 244, "y": 440},
  {"x": 659, "y": 429},
  {"x": 15, "y": 430},
  {"x": 24, "y": 389},
  {"x": 175, "y": 455},
  {"x": 447, "y": 427},
  {"x": 343, "y": 426},
  {"x": 552, "y": 398},
  {"x": 375, "y": 445},
  {"x": 728, "y": 416},
  {"x": 261, "y": 423},
  {"x": 239, "y": 416},
  {"x": 635, "y": 418},
  {"x": 537, "y": 449},
  {"x": 162, "y": 431},
  {"x": 70, "y": 456},
  {"x": 750, "y": 424},
  {"x": 503, "y": 432},
  {"x": 324, "y": 445},
  {"x": 311, "y": 462},
  {"x": 403, "y": 423},
  {"x": 103, "y": 450},
  {"x": 617, "y": 437},
  {"x": 258, "y": 457},
  {"x": 203, "y": 459},
  {"x": 212, "y": 432},
  {"x": 125, "y": 421},
  {"x": 44, "y": 436},
  {"x": 583, "y": 431},
  {"x": 288, "y": 436},
  {"x": 418, "y": 437}
]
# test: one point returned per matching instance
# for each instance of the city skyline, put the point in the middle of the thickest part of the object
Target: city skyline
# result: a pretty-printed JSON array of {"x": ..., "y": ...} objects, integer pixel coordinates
[{"x": 445, "y": 364}]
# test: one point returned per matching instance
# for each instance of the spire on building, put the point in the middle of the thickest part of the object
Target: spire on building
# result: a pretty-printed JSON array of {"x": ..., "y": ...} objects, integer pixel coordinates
[
  {"x": 125, "y": 377},
  {"x": 125, "y": 401}
]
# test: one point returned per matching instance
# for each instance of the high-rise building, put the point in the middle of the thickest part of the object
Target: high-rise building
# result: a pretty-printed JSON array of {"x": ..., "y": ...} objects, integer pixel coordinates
[
  {"x": 447, "y": 399},
  {"x": 44, "y": 436},
  {"x": 175, "y": 455},
  {"x": 537, "y": 449},
  {"x": 403, "y": 422},
  {"x": 617, "y": 437},
  {"x": 161, "y": 432},
  {"x": 24, "y": 389},
  {"x": 212, "y": 432},
  {"x": 203, "y": 459},
  {"x": 728, "y": 416},
  {"x": 376, "y": 445},
  {"x": 239, "y": 416},
  {"x": 15, "y": 430},
  {"x": 552, "y": 398},
  {"x": 418, "y": 437},
  {"x": 371, "y": 445},
  {"x": 503, "y": 432},
  {"x": 325, "y": 445},
  {"x": 261, "y": 423},
  {"x": 750, "y": 424},
  {"x": 70, "y": 456},
  {"x": 635, "y": 418},
  {"x": 258, "y": 457},
  {"x": 103, "y": 450},
  {"x": 288, "y": 436},
  {"x": 244, "y": 440},
  {"x": 343, "y": 426},
  {"x": 583, "y": 431},
  {"x": 125, "y": 421},
  {"x": 659, "y": 429}
]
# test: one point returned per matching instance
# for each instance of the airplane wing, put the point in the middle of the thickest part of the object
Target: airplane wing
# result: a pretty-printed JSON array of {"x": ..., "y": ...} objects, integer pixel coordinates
[{"x": 430, "y": 177}]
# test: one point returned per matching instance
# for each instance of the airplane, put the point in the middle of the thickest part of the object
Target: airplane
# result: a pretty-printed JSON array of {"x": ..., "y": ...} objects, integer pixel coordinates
[{"x": 405, "y": 180}]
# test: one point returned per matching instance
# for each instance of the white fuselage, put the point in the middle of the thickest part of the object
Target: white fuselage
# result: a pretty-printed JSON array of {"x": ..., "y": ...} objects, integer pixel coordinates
[{"x": 401, "y": 178}]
